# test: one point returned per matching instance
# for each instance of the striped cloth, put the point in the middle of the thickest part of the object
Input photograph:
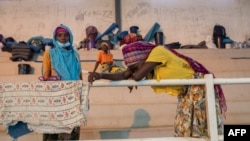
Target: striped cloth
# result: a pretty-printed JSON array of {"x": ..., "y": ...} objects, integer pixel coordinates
[{"x": 136, "y": 51}]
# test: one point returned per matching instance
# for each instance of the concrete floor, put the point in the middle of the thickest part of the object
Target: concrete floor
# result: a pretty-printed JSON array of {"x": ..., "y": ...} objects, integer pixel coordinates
[{"x": 103, "y": 134}]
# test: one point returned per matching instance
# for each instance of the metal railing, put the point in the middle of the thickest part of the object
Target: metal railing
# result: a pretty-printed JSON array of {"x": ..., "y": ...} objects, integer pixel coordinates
[{"x": 209, "y": 81}]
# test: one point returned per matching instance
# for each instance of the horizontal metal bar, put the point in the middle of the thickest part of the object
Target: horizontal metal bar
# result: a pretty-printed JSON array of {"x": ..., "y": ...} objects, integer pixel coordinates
[
  {"x": 104, "y": 83},
  {"x": 232, "y": 81}
]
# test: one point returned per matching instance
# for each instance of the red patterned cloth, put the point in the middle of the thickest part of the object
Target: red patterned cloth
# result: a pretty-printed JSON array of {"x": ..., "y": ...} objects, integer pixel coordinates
[
  {"x": 137, "y": 51},
  {"x": 47, "y": 107}
]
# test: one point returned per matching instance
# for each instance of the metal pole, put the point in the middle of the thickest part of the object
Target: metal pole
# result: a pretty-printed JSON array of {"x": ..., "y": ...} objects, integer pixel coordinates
[{"x": 210, "y": 108}]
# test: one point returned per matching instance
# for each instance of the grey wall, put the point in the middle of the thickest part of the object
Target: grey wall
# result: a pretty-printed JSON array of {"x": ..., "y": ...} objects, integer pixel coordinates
[
  {"x": 187, "y": 21},
  {"x": 23, "y": 19}
]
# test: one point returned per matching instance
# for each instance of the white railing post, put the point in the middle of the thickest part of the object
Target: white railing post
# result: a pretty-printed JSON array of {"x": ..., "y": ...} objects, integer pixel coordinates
[{"x": 210, "y": 107}]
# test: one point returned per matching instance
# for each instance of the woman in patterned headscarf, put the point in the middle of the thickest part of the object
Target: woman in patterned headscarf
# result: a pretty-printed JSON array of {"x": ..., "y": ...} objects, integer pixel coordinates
[
  {"x": 145, "y": 60},
  {"x": 62, "y": 61}
]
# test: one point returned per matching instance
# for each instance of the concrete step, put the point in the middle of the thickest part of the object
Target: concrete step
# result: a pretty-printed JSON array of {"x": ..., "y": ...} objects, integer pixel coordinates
[
  {"x": 198, "y": 54},
  {"x": 217, "y": 61},
  {"x": 219, "y": 66},
  {"x": 104, "y": 134}
]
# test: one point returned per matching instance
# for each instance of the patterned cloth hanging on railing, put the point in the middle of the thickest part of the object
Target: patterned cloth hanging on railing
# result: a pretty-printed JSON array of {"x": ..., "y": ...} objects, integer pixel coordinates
[{"x": 46, "y": 107}]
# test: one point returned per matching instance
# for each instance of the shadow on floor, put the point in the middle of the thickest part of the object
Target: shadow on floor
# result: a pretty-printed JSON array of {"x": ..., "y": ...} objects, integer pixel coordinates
[{"x": 141, "y": 120}]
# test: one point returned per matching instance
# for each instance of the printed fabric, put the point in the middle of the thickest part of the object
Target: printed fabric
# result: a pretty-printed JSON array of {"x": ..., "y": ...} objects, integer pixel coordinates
[
  {"x": 136, "y": 51},
  {"x": 46, "y": 107},
  {"x": 106, "y": 68},
  {"x": 200, "y": 68},
  {"x": 190, "y": 117}
]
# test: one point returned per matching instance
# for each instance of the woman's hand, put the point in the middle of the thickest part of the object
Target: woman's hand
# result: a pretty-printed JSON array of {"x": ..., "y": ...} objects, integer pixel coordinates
[
  {"x": 93, "y": 76},
  {"x": 131, "y": 88}
]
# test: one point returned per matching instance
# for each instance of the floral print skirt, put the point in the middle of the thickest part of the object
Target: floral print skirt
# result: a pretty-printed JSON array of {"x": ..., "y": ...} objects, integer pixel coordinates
[
  {"x": 74, "y": 135},
  {"x": 190, "y": 118}
]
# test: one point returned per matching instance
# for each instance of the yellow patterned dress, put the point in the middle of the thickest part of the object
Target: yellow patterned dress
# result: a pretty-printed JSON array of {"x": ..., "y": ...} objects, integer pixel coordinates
[{"x": 190, "y": 117}]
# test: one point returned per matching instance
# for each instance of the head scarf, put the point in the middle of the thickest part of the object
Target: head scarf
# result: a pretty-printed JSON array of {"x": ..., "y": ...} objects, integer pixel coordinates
[
  {"x": 135, "y": 52},
  {"x": 123, "y": 34},
  {"x": 104, "y": 43},
  {"x": 107, "y": 49},
  {"x": 60, "y": 29},
  {"x": 130, "y": 38},
  {"x": 66, "y": 62}
]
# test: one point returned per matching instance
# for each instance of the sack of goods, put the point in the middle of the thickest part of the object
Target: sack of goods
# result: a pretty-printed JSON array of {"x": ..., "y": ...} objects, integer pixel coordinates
[{"x": 21, "y": 52}]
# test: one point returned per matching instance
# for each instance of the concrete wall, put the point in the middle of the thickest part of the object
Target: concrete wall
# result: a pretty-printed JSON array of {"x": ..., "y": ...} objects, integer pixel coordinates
[
  {"x": 23, "y": 19},
  {"x": 188, "y": 22}
]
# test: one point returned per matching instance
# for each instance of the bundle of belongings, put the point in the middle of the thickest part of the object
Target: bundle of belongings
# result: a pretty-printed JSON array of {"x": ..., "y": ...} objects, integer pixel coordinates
[
  {"x": 7, "y": 43},
  {"x": 21, "y": 51},
  {"x": 126, "y": 37},
  {"x": 37, "y": 43},
  {"x": 111, "y": 34}
]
